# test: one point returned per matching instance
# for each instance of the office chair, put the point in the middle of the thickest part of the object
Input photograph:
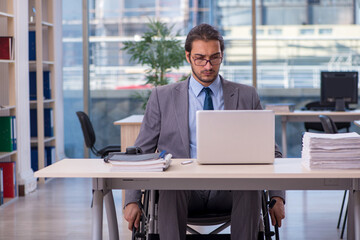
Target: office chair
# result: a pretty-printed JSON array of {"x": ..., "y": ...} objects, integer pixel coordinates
[
  {"x": 328, "y": 124},
  {"x": 330, "y": 127},
  {"x": 148, "y": 226},
  {"x": 89, "y": 137},
  {"x": 317, "y": 106}
]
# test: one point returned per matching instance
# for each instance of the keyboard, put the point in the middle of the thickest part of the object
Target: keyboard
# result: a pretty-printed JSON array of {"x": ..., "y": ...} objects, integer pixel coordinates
[{"x": 322, "y": 109}]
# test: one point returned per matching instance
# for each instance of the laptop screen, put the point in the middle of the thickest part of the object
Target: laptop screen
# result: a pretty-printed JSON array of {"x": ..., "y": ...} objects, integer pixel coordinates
[{"x": 235, "y": 136}]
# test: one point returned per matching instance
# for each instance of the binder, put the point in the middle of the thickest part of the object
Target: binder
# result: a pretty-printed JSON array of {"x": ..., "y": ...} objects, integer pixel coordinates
[
  {"x": 7, "y": 134},
  {"x": 14, "y": 134},
  {"x": 32, "y": 46},
  {"x": 9, "y": 177},
  {"x": 46, "y": 85},
  {"x": 49, "y": 155},
  {"x": 152, "y": 162},
  {"x": 33, "y": 122},
  {"x": 34, "y": 159},
  {"x": 6, "y": 48},
  {"x": 1, "y": 187},
  {"x": 48, "y": 122},
  {"x": 32, "y": 85}
]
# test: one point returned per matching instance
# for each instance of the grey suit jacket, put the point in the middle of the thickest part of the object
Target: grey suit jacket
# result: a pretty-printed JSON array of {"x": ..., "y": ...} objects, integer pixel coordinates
[{"x": 166, "y": 121}]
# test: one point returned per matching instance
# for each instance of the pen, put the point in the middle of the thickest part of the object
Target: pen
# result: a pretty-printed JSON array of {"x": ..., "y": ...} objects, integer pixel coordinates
[
  {"x": 186, "y": 162},
  {"x": 162, "y": 154}
]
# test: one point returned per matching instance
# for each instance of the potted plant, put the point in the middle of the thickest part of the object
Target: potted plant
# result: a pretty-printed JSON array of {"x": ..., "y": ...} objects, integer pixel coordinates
[{"x": 160, "y": 51}]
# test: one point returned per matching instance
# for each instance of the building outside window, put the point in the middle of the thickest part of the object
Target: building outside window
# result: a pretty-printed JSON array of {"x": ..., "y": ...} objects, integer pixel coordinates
[{"x": 296, "y": 40}]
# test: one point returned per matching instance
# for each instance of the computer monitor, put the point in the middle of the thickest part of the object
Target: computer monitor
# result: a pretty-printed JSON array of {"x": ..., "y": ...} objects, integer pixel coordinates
[{"x": 339, "y": 88}]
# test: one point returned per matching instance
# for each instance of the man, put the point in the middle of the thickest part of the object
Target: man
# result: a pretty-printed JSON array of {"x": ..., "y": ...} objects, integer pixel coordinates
[{"x": 169, "y": 124}]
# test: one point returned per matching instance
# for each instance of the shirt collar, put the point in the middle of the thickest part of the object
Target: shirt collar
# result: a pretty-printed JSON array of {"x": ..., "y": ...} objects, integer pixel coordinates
[{"x": 196, "y": 87}]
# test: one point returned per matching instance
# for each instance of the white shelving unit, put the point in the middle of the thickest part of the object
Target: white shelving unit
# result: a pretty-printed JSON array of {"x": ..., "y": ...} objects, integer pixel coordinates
[
  {"x": 8, "y": 103},
  {"x": 14, "y": 82},
  {"x": 42, "y": 22}
]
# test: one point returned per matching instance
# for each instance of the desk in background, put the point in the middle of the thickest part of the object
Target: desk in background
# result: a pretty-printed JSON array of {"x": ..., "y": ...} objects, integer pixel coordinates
[
  {"x": 284, "y": 174},
  {"x": 311, "y": 116},
  {"x": 129, "y": 130}
]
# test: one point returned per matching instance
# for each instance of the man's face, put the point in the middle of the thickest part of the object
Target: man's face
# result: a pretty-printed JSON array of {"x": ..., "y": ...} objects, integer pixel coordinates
[{"x": 205, "y": 50}]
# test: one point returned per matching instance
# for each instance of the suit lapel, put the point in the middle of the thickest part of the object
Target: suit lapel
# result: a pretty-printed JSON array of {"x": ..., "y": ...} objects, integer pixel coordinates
[
  {"x": 181, "y": 106},
  {"x": 231, "y": 95}
]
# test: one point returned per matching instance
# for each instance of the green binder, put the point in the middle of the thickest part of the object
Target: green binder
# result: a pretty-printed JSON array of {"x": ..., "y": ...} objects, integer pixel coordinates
[{"x": 7, "y": 134}]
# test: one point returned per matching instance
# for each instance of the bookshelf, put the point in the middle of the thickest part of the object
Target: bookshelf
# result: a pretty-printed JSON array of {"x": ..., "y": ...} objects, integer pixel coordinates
[
  {"x": 15, "y": 88},
  {"x": 42, "y": 66},
  {"x": 8, "y": 103}
]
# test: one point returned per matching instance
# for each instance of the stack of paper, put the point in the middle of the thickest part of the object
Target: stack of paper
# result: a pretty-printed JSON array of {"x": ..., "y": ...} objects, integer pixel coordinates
[
  {"x": 321, "y": 150},
  {"x": 280, "y": 107},
  {"x": 139, "y": 163}
]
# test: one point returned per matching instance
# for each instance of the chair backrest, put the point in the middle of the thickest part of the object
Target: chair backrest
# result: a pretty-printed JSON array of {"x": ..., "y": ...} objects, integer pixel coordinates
[
  {"x": 87, "y": 129},
  {"x": 313, "y": 125},
  {"x": 312, "y": 105},
  {"x": 316, "y": 105},
  {"x": 328, "y": 124}
]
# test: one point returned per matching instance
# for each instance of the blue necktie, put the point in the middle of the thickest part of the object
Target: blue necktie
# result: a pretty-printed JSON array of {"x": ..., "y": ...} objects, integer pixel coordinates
[{"x": 208, "y": 104}]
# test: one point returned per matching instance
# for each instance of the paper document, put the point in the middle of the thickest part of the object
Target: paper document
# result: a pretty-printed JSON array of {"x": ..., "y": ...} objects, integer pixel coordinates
[
  {"x": 322, "y": 150},
  {"x": 280, "y": 107},
  {"x": 139, "y": 163}
]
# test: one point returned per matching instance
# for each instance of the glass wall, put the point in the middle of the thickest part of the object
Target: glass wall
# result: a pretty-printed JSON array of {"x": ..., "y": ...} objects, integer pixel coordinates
[
  {"x": 72, "y": 76},
  {"x": 296, "y": 40}
]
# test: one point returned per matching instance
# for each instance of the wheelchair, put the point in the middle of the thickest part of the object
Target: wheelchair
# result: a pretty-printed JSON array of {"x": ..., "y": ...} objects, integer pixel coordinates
[{"x": 148, "y": 222}]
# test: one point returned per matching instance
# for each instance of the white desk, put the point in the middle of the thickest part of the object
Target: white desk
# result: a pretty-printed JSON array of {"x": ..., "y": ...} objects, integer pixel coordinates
[
  {"x": 285, "y": 174},
  {"x": 312, "y": 116}
]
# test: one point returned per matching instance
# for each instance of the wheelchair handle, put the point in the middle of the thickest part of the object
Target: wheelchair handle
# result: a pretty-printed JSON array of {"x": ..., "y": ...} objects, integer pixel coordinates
[{"x": 272, "y": 203}]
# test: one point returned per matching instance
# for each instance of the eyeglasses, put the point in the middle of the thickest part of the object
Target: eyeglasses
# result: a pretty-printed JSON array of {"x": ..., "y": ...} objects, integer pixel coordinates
[{"x": 203, "y": 62}]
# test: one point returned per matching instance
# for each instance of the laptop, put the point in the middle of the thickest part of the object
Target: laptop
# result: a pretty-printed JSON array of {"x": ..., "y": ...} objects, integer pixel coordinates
[{"x": 235, "y": 137}]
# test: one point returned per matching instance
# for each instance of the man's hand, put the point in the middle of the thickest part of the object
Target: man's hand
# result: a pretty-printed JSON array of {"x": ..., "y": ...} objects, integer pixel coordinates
[
  {"x": 132, "y": 215},
  {"x": 277, "y": 213}
]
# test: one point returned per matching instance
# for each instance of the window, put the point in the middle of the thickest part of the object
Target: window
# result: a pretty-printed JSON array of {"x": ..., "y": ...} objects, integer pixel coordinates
[
  {"x": 296, "y": 40},
  {"x": 307, "y": 31},
  {"x": 275, "y": 32},
  {"x": 325, "y": 31}
]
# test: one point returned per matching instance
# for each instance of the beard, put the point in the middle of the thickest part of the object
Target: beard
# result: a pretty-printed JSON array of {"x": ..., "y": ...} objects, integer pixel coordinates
[{"x": 207, "y": 81}]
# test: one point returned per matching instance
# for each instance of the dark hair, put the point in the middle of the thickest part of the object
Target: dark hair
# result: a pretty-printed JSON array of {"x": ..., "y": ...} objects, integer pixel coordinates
[{"x": 203, "y": 32}]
